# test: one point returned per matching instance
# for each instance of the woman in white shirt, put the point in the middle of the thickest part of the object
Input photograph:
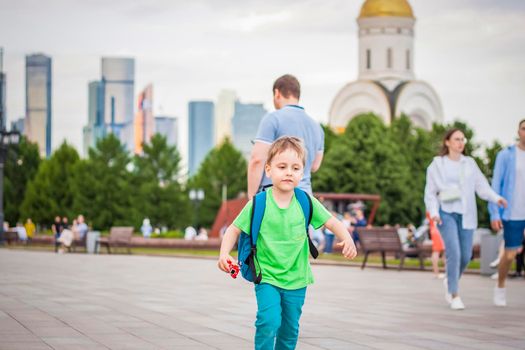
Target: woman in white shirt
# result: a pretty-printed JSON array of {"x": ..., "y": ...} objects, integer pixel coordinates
[{"x": 453, "y": 180}]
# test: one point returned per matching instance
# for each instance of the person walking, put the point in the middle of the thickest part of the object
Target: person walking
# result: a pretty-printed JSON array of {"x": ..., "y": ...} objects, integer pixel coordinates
[
  {"x": 452, "y": 182},
  {"x": 508, "y": 180},
  {"x": 289, "y": 119},
  {"x": 282, "y": 247}
]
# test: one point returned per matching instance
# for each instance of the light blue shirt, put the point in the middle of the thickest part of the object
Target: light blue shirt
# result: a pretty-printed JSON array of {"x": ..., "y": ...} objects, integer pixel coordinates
[
  {"x": 503, "y": 180},
  {"x": 292, "y": 120}
]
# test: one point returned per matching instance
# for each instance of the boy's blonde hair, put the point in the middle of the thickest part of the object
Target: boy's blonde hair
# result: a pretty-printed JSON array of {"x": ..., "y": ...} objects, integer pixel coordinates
[{"x": 284, "y": 143}]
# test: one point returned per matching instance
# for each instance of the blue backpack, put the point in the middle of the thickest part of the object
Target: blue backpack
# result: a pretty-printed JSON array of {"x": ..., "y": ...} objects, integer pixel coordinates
[{"x": 247, "y": 247}]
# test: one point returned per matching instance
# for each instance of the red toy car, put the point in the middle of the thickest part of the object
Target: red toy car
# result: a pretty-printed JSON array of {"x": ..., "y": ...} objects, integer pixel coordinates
[{"x": 234, "y": 269}]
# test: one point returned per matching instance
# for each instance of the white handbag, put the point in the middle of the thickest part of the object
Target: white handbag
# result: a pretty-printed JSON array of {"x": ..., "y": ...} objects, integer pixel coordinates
[{"x": 450, "y": 194}]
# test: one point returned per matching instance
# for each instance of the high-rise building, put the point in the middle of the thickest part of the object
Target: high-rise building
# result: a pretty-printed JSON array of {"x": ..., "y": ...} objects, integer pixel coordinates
[
  {"x": 168, "y": 127},
  {"x": 110, "y": 107},
  {"x": 95, "y": 128},
  {"x": 38, "y": 102},
  {"x": 19, "y": 125},
  {"x": 118, "y": 80},
  {"x": 3, "y": 115},
  {"x": 144, "y": 121},
  {"x": 245, "y": 122},
  {"x": 201, "y": 133},
  {"x": 223, "y": 115}
]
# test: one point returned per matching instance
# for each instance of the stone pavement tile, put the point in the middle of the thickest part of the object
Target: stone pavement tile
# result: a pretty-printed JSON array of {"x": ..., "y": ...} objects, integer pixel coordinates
[
  {"x": 330, "y": 343},
  {"x": 18, "y": 337},
  {"x": 122, "y": 341},
  {"x": 392, "y": 346},
  {"x": 79, "y": 347},
  {"x": 490, "y": 346},
  {"x": 175, "y": 343},
  {"x": 67, "y": 341},
  {"x": 149, "y": 332},
  {"x": 24, "y": 346},
  {"x": 63, "y": 331}
]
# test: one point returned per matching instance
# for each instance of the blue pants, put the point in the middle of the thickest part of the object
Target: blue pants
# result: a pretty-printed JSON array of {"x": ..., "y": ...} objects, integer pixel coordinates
[
  {"x": 329, "y": 242},
  {"x": 458, "y": 247},
  {"x": 278, "y": 313}
]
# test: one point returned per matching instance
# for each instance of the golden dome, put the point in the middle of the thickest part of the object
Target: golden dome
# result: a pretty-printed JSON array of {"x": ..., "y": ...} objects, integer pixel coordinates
[{"x": 383, "y": 8}]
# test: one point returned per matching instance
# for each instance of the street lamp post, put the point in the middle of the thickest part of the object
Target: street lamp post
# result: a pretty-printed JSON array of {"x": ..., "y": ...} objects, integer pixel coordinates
[
  {"x": 196, "y": 196},
  {"x": 7, "y": 139}
]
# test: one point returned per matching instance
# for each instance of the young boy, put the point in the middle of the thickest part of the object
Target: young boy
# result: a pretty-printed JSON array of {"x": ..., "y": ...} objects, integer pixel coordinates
[{"x": 282, "y": 247}]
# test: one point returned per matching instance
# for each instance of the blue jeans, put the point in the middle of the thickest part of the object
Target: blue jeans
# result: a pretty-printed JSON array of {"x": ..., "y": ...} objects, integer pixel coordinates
[
  {"x": 278, "y": 313},
  {"x": 329, "y": 242},
  {"x": 458, "y": 247}
]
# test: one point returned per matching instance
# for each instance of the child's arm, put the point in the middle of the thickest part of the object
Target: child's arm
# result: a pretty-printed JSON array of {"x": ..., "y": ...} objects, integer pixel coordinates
[
  {"x": 228, "y": 241},
  {"x": 339, "y": 229}
]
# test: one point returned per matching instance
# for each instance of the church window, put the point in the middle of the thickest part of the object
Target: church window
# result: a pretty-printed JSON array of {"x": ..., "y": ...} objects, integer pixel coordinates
[
  {"x": 368, "y": 59},
  {"x": 389, "y": 57},
  {"x": 408, "y": 59}
]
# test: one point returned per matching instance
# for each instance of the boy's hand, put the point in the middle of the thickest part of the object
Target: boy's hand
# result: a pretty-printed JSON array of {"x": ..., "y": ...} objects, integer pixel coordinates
[
  {"x": 224, "y": 262},
  {"x": 349, "y": 249}
]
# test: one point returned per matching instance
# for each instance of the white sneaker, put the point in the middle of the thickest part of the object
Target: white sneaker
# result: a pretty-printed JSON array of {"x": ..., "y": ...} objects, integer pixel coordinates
[
  {"x": 499, "y": 297},
  {"x": 494, "y": 276},
  {"x": 448, "y": 296},
  {"x": 495, "y": 263},
  {"x": 457, "y": 304}
]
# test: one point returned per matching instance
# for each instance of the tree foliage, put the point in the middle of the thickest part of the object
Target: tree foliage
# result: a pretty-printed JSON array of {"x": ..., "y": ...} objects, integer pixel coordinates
[
  {"x": 160, "y": 196},
  {"x": 102, "y": 185},
  {"x": 50, "y": 193},
  {"x": 223, "y": 166},
  {"x": 20, "y": 167}
]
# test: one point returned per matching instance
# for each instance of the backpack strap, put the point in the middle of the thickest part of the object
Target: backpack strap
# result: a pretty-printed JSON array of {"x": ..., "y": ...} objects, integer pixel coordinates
[
  {"x": 258, "y": 207},
  {"x": 306, "y": 205}
]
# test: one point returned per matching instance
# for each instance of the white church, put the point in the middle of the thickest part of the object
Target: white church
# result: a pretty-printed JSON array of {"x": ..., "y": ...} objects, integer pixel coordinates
[{"x": 386, "y": 85}]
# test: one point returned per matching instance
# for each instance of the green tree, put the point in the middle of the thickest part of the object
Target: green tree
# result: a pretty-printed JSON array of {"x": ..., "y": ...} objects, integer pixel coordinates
[
  {"x": 417, "y": 148},
  {"x": 102, "y": 185},
  {"x": 366, "y": 159},
  {"x": 330, "y": 137},
  {"x": 20, "y": 167},
  {"x": 160, "y": 196},
  {"x": 223, "y": 166},
  {"x": 50, "y": 192}
]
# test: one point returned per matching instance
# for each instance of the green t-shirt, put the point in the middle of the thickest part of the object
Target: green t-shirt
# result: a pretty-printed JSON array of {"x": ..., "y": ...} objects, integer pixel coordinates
[{"x": 282, "y": 245}]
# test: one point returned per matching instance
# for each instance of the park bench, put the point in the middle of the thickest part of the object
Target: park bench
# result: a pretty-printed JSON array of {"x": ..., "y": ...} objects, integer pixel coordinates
[
  {"x": 11, "y": 236},
  {"x": 119, "y": 236},
  {"x": 78, "y": 242},
  {"x": 386, "y": 240}
]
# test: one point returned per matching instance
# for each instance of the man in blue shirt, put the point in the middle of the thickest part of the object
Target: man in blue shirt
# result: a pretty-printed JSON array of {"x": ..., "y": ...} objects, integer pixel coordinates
[
  {"x": 289, "y": 119},
  {"x": 508, "y": 181}
]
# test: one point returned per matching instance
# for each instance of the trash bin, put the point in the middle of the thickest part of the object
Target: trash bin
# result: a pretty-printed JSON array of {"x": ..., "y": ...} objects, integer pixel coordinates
[
  {"x": 489, "y": 252},
  {"x": 91, "y": 242}
]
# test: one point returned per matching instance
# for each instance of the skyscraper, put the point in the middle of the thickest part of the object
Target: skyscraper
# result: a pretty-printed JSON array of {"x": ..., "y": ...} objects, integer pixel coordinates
[
  {"x": 95, "y": 128},
  {"x": 110, "y": 106},
  {"x": 38, "y": 101},
  {"x": 223, "y": 115},
  {"x": 19, "y": 125},
  {"x": 168, "y": 127},
  {"x": 144, "y": 122},
  {"x": 201, "y": 133},
  {"x": 3, "y": 116},
  {"x": 118, "y": 80},
  {"x": 245, "y": 122}
]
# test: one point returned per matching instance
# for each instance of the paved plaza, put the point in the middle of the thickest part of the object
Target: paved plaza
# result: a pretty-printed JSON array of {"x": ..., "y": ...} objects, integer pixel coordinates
[{"x": 80, "y": 301}]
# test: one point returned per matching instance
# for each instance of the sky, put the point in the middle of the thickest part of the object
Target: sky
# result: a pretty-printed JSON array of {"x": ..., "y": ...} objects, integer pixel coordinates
[{"x": 471, "y": 51}]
